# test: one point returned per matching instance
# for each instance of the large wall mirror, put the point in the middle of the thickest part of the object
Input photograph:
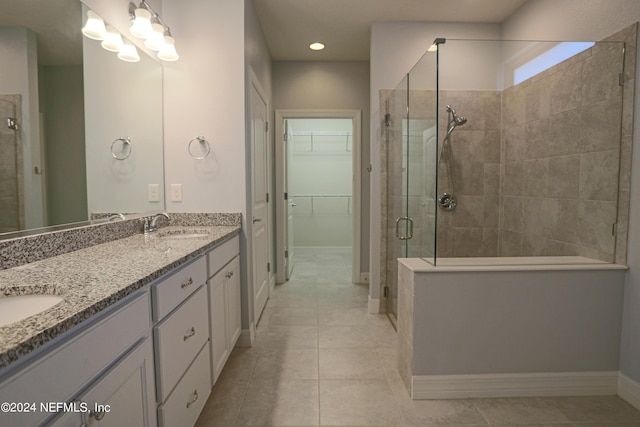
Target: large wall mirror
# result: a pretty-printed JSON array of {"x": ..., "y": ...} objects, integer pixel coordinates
[{"x": 66, "y": 105}]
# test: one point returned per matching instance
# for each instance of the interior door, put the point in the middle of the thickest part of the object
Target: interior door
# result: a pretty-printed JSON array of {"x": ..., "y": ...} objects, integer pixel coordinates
[
  {"x": 289, "y": 204},
  {"x": 260, "y": 203}
]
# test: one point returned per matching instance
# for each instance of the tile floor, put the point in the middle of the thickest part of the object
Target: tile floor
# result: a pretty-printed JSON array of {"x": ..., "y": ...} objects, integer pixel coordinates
[{"x": 320, "y": 359}]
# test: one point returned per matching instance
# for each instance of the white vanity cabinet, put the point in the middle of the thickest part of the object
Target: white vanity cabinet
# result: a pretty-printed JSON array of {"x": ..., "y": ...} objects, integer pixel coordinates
[
  {"x": 181, "y": 337},
  {"x": 224, "y": 303},
  {"x": 104, "y": 358},
  {"x": 124, "y": 396}
]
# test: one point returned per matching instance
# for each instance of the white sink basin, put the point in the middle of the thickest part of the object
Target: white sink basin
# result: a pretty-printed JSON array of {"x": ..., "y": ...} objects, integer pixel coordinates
[{"x": 15, "y": 308}]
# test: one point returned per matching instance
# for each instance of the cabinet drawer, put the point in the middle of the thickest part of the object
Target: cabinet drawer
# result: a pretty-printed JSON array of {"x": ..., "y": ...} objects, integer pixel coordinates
[
  {"x": 178, "y": 340},
  {"x": 186, "y": 402},
  {"x": 64, "y": 370},
  {"x": 176, "y": 287},
  {"x": 221, "y": 255}
]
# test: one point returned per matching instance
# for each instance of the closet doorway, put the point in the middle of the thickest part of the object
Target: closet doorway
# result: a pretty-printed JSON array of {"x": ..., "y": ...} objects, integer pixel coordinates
[{"x": 317, "y": 184}]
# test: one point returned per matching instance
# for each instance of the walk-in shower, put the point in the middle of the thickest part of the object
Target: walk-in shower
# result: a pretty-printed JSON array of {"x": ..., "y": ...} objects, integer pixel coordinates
[
  {"x": 447, "y": 200},
  {"x": 532, "y": 165}
]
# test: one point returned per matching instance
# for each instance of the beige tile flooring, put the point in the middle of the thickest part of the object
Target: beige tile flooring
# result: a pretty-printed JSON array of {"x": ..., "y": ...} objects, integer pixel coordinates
[{"x": 320, "y": 359}]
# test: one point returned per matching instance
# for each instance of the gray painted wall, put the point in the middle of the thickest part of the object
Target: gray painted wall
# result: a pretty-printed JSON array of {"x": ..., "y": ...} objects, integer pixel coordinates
[
  {"x": 330, "y": 85},
  {"x": 63, "y": 97},
  {"x": 517, "y": 322}
]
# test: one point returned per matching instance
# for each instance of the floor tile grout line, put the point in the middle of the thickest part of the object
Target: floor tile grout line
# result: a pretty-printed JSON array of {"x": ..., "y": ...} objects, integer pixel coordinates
[{"x": 246, "y": 392}]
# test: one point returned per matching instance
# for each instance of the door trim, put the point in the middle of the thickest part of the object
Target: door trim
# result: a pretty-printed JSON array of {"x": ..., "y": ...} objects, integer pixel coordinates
[
  {"x": 281, "y": 220},
  {"x": 255, "y": 311}
]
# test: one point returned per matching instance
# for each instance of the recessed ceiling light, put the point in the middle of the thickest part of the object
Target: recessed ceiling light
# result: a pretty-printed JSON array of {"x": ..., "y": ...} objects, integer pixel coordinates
[{"x": 316, "y": 46}]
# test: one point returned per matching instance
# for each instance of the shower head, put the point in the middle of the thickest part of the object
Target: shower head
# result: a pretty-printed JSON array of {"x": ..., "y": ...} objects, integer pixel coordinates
[{"x": 454, "y": 123}]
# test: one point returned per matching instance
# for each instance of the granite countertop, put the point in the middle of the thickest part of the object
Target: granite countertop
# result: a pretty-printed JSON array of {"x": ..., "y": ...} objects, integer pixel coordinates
[{"x": 94, "y": 278}]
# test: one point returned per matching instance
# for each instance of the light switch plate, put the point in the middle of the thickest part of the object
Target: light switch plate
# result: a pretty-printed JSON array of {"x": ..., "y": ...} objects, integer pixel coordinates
[
  {"x": 176, "y": 192},
  {"x": 154, "y": 192}
]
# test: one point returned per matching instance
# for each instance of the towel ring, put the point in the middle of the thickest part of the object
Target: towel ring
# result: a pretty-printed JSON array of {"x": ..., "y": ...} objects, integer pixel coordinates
[
  {"x": 202, "y": 141},
  {"x": 125, "y": 151}
]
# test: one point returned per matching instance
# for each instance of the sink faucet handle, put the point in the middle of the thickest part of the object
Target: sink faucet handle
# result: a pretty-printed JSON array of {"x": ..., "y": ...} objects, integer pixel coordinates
[
  {"x": 154, "y": 219},
  {"x": 146, "y": 224}
]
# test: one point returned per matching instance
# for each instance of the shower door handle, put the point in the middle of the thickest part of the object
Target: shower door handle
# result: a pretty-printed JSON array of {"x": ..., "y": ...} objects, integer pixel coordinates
[{"x": 410, "y": 221}]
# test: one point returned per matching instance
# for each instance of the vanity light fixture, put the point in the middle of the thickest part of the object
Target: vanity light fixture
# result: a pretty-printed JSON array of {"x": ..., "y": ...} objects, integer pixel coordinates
[
  {"x": 156, "y": 38},
  {"x": 141, "y": 25},
  {"x": 112, "y": 40},
  {"x": 94, "y": 27},
  {"x": 168, "y": 51},
  {"x": 129, "y": 53},
  {"x": 147, "y": 24},
  {"x": 316, "y": 46}
]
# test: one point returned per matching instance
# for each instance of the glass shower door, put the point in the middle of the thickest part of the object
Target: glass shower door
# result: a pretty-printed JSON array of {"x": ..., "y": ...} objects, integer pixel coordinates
[{"x": 410, "y": 135}]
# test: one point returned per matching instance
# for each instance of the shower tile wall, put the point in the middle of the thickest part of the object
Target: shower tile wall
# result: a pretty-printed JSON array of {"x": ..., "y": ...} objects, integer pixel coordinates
[
  {"x": 471, "y": 229},
  {"x": 561, "y": 151},
  {"x": 11, "y": 201},
  {"x": 629, "y": 37}
]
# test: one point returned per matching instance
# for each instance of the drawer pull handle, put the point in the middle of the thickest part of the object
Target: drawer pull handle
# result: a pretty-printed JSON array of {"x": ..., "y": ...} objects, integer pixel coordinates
[
  {"x": 229, "y": 275},
  {"x": 192, "y": 333},
  {"x": 187, "y": 283},
  {"x": 193, "y": 400}
]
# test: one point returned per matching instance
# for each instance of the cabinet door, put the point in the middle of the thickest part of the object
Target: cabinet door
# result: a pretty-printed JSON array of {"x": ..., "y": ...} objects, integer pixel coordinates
[
  {"x": 234, "y": 326},
  {"x": 121, "y": 397},
  {"x": 218, "y": 326}
]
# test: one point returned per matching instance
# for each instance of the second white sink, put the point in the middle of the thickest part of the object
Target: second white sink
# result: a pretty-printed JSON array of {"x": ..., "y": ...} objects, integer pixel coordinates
[{"x": 15, "y": 308}]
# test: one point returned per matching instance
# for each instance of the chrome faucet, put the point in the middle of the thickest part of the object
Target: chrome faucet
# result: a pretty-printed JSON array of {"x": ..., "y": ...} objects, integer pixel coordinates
[
  {"x": 149, "y": 222},
  {"x": 114, "y": 216}
]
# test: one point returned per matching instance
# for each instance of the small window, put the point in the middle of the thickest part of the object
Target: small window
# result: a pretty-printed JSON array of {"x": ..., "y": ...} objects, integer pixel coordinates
[{"x": 548, "y": 59}]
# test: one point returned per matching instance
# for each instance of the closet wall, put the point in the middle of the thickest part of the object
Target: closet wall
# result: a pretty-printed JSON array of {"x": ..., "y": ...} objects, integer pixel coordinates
[{"x": 320, "y": 181}]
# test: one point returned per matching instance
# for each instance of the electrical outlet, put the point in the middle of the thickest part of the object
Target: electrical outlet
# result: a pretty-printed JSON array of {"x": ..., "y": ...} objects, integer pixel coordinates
[
  {"x": 176, "y": 192},
  {"x": 154, "y": 192}
]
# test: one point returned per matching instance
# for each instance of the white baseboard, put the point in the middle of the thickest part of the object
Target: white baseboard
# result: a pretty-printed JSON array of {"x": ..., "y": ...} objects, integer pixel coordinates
[
  {"x": 247, "y": 336},
  {"x": 629, "y": 390},
  {"x": 515, "y": 385},
  {"x": 374, "y": 305}
]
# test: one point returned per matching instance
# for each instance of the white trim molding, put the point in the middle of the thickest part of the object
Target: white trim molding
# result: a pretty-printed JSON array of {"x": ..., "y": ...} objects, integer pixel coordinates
[
  {"x": 374, "y": 305},
  {"x": 247, "y": 336},
  {"x": 629, "y": 390},
  {"x": 515, "y": 385}
]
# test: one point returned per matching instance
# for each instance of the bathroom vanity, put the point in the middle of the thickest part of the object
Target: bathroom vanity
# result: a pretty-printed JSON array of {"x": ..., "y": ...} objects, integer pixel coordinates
[{"x": 139, "y": 337}]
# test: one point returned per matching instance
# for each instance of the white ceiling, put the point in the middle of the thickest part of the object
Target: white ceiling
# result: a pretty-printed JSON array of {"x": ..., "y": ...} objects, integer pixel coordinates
[{"x": 344, "y": 26}]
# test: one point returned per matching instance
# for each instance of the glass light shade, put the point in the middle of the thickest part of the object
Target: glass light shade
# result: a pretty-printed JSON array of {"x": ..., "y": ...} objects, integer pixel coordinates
[
  {"x": 141, "y": 26},
  {"x": 156, "y": 38},
  {"x": 94, "y": 27},
  {"x": 168, "y": 51},
  {"x": 112, "y": 40},
  {"x": 129, "y": 53}
]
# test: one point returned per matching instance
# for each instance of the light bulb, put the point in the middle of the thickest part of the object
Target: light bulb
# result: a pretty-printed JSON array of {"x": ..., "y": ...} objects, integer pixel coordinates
[
  {"x": 168, "y": 51},
  {"x": 129, "y": 53},
  {"x": 112, "y": 40},
  {"x": 141, "y": 26},
  {"x": 156, "y": 38},
  {"x": 316, "y": 46},
  {"x": 94, "y": 27}
]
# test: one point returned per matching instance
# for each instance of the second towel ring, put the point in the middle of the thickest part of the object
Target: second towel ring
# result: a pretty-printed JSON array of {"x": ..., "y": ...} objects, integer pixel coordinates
[
  {"x": 125, "y": 149},
  {"x": 203, "y": 142}
]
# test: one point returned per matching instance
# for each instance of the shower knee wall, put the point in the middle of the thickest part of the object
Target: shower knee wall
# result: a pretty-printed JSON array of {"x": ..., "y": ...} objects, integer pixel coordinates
[{"x": 509, "y": 331}]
